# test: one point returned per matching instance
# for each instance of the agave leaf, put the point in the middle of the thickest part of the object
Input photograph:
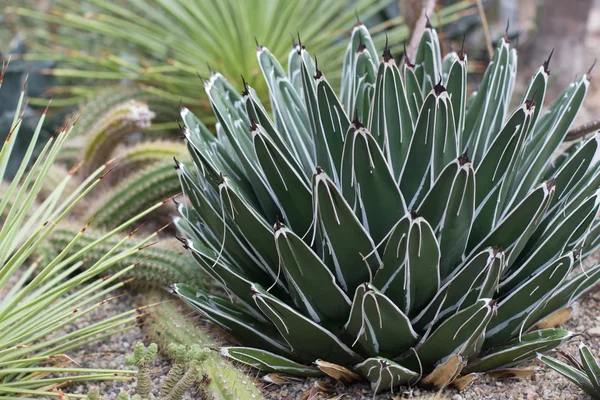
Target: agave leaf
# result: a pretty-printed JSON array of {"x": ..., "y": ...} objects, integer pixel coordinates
[
  {"x": 266, "y": 361},
  {"x": 376, "y": 326},
  {"x": 333, "y": 123},
  {"x": 512, "y": 232},
  {"x": 294, "y": 72},
  {"x": 571, "y": 373},
  {"x": 477, "y": 279},
  {"x": 548, "y": 135},
  {"x": 410, "y": 272},
  {"x": 536, "y": 91},
  {"x": 239, "y": 139},
  {"x": 368, "y": 184},
  {"x": 365, "y": 72},
  {"x": 520, "y": 349},
  {"x": 486, "y": 112},
  {"x": 289, "y": 108},
  {"x": 495, "y": 171},
  {"x": 360, "y": 37},
  {"x": 513, "y": 309},
  {"x": 353, "y": 252},
  {"x": 256, "y": 231},
  {"x": 428, "y": 61},
  {"x": 220, "y": 234},
  {"x": 456, "y": 85},
  {"x": 573, "y": 172},
  {"x": 290, "y": 189},
  {"x": 233, "y": 318},
  {"x": 553, "y": 166},
  {"x": 385, "y": 374},
  {"x": 413, "y": 89},
  {"x": 449, "y": 207},
  {"x": 453, "y": 336},
  {"x": 592, "y": 240},
  {"x": 552, "y": 243},
  {"x": 590, "y": 366},
  {"x": 391, "y": 121},
  {"x": 296, "y": 328},
  {"x": 416, "y": 176},
  {"x": 570, "y": 290},
  {"x": 257, "y": 112},
  {"x": 310, "y": 282}
]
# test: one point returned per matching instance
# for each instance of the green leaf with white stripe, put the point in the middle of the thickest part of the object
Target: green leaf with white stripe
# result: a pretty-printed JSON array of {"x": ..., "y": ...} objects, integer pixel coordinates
[
  {"x": 410, "y": 275},
  {"x": 520, "y": 349},
  {"x": 288, "y": 108},
  {"x": 376, "y": 326},
  {"x": 391, "y": 121},
  {"x": 354, "y": 258},
  {"x": 428, "y": 61},
  {"x": 453, "y": 336},
  {"x": 312, "y": 286},
  {"x": 368, "y": 184},
  {"x": 293, "y": 194},
  {"x": 296, "y": 328},
  {"x": 477, "y": 279},
  {"x": 233, "y": 318},
  {"x": 514, "y": 309},
  {"x": 456, "y": 85},
  {"x": 385, "y": 374},
  {"x": 413, "y": 89},
  {"x": 266, "y": 361}
]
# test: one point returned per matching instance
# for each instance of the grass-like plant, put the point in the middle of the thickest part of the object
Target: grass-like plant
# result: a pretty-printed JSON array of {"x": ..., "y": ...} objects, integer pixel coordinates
[
  {"x": 584, "y": 372},
  {"x": 164, "y": 45},
  {"x": 400, "y": 232},
  {"x": 41, "y": 302}
]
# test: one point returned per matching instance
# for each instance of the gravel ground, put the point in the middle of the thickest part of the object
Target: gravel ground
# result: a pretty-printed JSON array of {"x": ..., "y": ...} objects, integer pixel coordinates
[{"x": 545, "y": 384}]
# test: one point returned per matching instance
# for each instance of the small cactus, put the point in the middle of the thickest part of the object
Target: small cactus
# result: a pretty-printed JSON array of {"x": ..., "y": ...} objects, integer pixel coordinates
[
  {"x": 142, "y": 358},
  {"x": 170, "y": 323}
]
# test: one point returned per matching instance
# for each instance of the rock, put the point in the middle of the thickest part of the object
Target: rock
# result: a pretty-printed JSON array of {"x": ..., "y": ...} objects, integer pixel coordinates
[
  {"x": 595, "y": 331},
  {"x": 457, "y": 397}
]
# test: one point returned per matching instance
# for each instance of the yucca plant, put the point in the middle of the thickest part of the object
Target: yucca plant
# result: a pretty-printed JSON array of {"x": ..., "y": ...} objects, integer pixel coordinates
[
  {"x": 401, "y": 231},
  {"x": 42, "y": 301},
  {"x": 164, "y": 45},
  {"x": 584, "y": 372}
]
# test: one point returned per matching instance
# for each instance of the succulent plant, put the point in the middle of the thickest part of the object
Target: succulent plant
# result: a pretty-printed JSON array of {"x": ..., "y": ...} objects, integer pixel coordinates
[
  {"x": 403, "y": 231},
  {"x": 584, "y": 372}
]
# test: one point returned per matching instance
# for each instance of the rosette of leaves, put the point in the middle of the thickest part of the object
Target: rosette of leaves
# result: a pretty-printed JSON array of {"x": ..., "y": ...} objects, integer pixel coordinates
[
  {"x": 402, "y": 231},
  {"x": 584, "y": 372}
]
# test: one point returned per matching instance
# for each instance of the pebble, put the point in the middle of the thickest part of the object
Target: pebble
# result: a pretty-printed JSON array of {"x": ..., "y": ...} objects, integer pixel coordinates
[
  {"x": 457, "y": 397},
  {"x": 594, "y": 331}
]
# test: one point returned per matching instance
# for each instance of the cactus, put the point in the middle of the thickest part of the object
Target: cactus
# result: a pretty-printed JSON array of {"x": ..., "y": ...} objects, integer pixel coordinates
[
  {"x": 153, "y": 183},
  {"x": 163, "y": 264},
  {"x": 170, "y": 323},
  {"x": 142, "y": 358}
]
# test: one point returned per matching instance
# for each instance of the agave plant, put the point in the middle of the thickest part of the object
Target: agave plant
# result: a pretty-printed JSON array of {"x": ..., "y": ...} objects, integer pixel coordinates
[
  {"x": 397, "y": 230},
  {"x": 42, "y": 301},
  {"x": 585, "y": 372}
]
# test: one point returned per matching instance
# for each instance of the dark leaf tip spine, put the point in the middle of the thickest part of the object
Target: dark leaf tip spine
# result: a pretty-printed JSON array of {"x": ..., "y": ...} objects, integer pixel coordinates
[
  {"x": 464, "y": 158},
  {"x": 546, "y": 64},
  {"x": 387, "y": 54}
]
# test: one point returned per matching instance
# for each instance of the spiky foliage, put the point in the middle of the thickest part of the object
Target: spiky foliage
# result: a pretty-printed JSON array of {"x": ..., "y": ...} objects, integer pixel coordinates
[
  {"x": 164, "y": 45},
  {"x": 376, "y": 243},
  {"x": 170, "y": 325},
  {"x": 41, "y": 302},
  {"x": 584, "y": 372},
  {"x": 164, "y": 263}
]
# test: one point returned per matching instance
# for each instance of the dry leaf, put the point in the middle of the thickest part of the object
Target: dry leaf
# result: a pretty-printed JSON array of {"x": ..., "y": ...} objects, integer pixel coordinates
[
  {"x": 553, "y": 320},
  {"x": 281, "y": 379},
  {"x": 320, "y": 387},
  {"x": 464, "y": 381},
  {"x": 444, "y": 374},
  {"x": 511, "y": 373},
  {"x": 337, "y": 371}
]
